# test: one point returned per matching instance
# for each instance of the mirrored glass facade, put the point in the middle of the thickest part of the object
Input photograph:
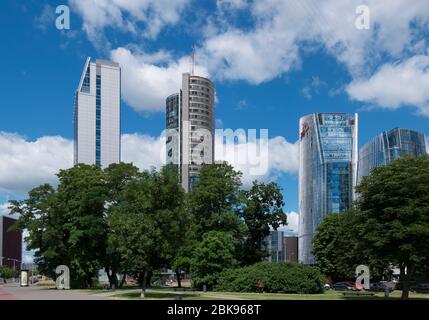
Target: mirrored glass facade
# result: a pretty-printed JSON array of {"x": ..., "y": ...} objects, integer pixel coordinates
[
  {"x": 327, "y": 172},
  {"x": 388, "y": 146}
]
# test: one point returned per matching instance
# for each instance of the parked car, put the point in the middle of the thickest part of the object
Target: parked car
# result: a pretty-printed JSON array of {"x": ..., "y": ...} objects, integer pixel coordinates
[
  {"x": 327, "y": 286},
  {"x": 379, "y": 287},
  {"x": 420, "y": 288},
  {"x": 352, "y": 284},
  {"x": 343, "y": 286}
]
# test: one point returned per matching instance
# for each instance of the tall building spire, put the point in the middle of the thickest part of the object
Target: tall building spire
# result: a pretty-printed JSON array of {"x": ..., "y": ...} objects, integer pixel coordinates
[{"x": 193, "y": 60}]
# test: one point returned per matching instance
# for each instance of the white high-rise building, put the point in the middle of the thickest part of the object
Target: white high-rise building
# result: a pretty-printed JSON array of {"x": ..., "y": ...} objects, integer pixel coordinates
[
  {"x": 190, "y": 125},
  {"x": 97, "y": 114}
]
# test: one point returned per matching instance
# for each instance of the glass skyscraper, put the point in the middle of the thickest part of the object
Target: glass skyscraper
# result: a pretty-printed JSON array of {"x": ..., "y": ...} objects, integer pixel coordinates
[
  {"x": 388, "y": 146},
  {"x": 276, "y": 246},
  {"x": 327, "y": 172},
  {"x": 190, "y": 126},
  {"x": 97, "y": 108}
]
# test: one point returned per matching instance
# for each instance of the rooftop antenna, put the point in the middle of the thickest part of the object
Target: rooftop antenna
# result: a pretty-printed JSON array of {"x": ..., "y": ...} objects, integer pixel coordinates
[{"x": 193, "y": 61}]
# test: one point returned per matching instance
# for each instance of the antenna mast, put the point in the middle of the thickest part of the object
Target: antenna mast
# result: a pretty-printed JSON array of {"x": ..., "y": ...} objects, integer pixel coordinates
[{"x": 193, "y": 61}]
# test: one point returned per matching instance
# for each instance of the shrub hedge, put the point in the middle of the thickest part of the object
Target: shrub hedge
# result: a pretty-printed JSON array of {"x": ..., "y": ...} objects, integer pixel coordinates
[
  {"x": 277, "y": 278},
  {"x": 8, "y": 273}
]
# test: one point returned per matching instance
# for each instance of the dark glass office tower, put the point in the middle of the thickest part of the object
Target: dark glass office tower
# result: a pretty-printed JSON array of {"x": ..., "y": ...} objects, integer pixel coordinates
[
  {"x": 388, "y": 146},
  {"x": 327, "y": 172}
]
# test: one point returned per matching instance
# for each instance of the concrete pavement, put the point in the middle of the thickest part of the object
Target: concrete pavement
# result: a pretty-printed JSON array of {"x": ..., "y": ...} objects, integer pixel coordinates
[{"x": 12, "y": 291}]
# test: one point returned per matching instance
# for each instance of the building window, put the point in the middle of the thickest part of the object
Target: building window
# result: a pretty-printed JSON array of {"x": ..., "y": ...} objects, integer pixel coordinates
[
  {"x": 86, "y": 81},
  {"x": 98, "y": 121}
]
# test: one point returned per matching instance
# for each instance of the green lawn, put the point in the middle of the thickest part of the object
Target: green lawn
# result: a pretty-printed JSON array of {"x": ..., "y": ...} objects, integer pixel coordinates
[
  {"x": 161, "y": 296},
  {"x": 329, "y": 295}
]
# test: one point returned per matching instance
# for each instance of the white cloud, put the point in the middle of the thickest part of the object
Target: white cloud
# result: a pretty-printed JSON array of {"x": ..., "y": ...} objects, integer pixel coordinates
[
  {"x": 46, "y": 19},
  {"x": 282, "y": 28},
  {"x": 258, "y": 160},
  {"x": 232, "y": 4},
  {"x": 332, "y": 23},
  {"x": 395, "y": 85},
  {"x": 271, "y": 44},
  {"x": 147, "y": 80},
  {"x": 143, "y": 151},
  {"x": 242, "y": 105},
  {"x": 141, "y": 17},
  {"x": 256, "y": 57},
  {"x": 291, "y": 229},
  {"x": 306, "y": 93},
  {"x": 4, "y": 211},
  {"x": 25, "y": 164}
]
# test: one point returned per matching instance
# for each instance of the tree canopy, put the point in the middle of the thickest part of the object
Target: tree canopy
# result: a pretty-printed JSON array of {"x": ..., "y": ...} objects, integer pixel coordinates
[
  {"x": 133, "y": 222},
  {"x": 389, "y": 226}
]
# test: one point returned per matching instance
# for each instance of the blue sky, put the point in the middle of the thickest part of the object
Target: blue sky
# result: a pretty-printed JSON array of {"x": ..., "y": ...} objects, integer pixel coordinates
[{"x": 272, "y": 61}]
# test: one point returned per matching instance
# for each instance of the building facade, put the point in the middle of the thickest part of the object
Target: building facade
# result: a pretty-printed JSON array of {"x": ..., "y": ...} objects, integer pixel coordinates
[
  {"x": 190, "y": 127},
  {"x": 10, "y": 244},
  {"x": 388, "y": 146},
  {"x": 97, "y": 114},
  {"x": 291, "y": 248},
  {"x": 281, "y": 248},
  {"x": 276, "y": 246},
  {"x": 328, "y": 157}
]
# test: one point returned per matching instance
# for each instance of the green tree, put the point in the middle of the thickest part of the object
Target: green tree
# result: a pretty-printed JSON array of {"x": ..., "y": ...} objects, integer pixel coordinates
[
  {"x": 212, "y": 255},
  {"x": 213, "y": 206},
  {"x": 67, "y": 225},
  {"x": 335, "y": 246},
  {"x": 116, "y": 178},
  {"x": 39, "y": 214},
  {"x": 175, "y": 220},
  {"x": 214, "y": 201},
  {"x": 261, "y": 208},
  {"x": 393, "y": 217},
  {"x": 148, "y": 226},
  {"x": 8, "y": 273}
]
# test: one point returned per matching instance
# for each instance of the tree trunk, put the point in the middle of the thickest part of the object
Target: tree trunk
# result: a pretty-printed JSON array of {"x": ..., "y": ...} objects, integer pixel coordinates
[
  {"x": 145, "y": 274},
  {"x": 409, "y": 276},
  {"x": 124, "y": 277},
  {"x": 149, "y": 279},
  {"x": 405, "y": 280},
  {"x": 179, "y": 280},
  {"x": 113, "y": 279}
]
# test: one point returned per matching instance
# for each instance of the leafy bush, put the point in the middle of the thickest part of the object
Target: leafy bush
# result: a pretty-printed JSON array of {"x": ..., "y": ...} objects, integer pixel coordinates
[
  {"x": 277, "y": 278},
  {"x": 212, "y": 255},
  {"x": 8, "y": 273}
]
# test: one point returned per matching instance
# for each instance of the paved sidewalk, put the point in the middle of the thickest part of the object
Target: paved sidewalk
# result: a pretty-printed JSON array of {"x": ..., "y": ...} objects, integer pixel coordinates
[
  {"x": 4, "y": 295},
  {"x": 12, "y": 291}
]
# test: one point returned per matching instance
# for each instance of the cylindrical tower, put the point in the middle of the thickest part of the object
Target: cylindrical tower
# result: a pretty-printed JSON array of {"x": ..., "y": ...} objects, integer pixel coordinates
[
  {"x": 190, "y": 123},
  {"x": 197, "y": 130}
]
